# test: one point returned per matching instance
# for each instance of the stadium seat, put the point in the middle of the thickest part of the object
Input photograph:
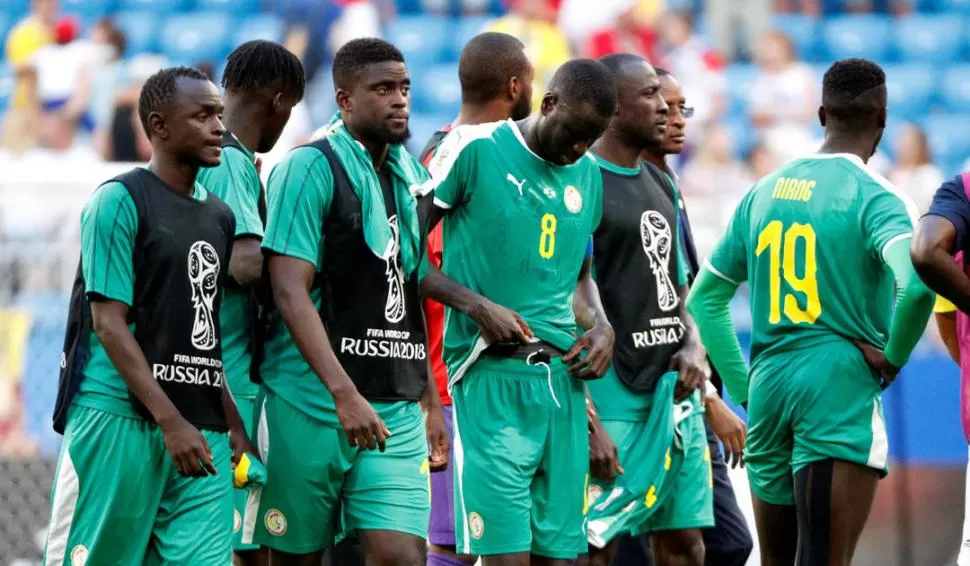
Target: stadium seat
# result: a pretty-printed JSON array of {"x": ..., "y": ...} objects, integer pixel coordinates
[
  {"x": 467, "y": 28},
  {"x": 742, "y": 134},
  {"x": 422, "y": 39},
  {"x": 955, "y": 87},
  {"x": 154, "y": 6},
  {"x": 196, "y": 37},
  {"x": 929, "y": 38},
  {"x": 955, "y": 6},
  {"x": 234, "y": 7},
  {"x": 6, "y": 22},
  {"x": 140, "y": 29},
  {"x": 740, "y": 76},
  {"x": 948, "y": 135},
  {"x": 14, "y": 8},
  {"x": 801, "y": 29},
  {"x": 910, "y": 88},
  {"x": 437, "y": 89},
  {"x": 408, "y": 7},
  {"x": 6, "y": 86},
  {"x": 258, "y": 26},
  {"x": 87, "y": 9},
  {"x": 867, "y": 36}
]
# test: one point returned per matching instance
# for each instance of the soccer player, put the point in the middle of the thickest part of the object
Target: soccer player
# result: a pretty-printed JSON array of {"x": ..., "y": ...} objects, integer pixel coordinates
[
  {"x": 821, "y": 242},
  {"x": 496, "y": 84},
  {"x": 262, "y": 82},
  {"x": 142, "y": 369},
  {"x": 728, "y": 543},
  {"x": 346, "y": 365},
  {"x": 520, "y": 201},
  {"x": 640, "y": 270}
]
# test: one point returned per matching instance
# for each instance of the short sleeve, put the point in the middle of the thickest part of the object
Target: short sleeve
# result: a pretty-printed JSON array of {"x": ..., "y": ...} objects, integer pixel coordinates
[
  {"x": 452, "y": 165},
  {"x": 943, "y": 306},
  {"x": 887, "y": 217},
  {"x": 236, "y": 182},
  {"x": 299, "y": 191},
  {"x": 950, "y": 202},
  {"x": 109, "y": 225},
  {"x": 729, "y": 258}
]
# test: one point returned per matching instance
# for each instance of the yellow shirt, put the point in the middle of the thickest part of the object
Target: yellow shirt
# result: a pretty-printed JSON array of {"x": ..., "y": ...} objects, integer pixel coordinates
[
  {"x": 27, "y": 37},
  {"x": 545, "y": 46}
]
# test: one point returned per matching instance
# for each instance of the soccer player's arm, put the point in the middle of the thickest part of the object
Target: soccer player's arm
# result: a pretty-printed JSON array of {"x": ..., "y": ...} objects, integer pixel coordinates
[
  {"x": 709, "y": 304},
  {"x": 939, "y": 234},
  {"x": 241, "y": 191},
  {"x": 888, "y": 219},
  {"x": 109, "y": 224}
]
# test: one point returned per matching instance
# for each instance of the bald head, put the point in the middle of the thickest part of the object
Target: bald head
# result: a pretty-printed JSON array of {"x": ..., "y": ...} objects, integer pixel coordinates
[{"x": 488, "y": 64}]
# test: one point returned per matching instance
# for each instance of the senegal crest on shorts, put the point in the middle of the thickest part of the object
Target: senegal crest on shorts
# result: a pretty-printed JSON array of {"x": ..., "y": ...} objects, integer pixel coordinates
[
  {"x": 79, "y": 555},
  {"x": 275, "y": 522},
  {"x": 476, "y": 525}
]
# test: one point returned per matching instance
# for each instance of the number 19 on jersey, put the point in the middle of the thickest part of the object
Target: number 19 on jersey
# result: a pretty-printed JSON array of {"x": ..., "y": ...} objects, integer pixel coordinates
[{"x": 781, "y": 245}]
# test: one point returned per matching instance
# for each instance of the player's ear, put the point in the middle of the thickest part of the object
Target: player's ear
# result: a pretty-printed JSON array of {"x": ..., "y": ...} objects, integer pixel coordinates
[
  {"x": 549, "y": 101},
  {"x": 821, "y": 115},
  {"x": 343, "y": 100},
  {"x": 157, "y": 127},
  {"x": 512, "y": 88},
  {"x": 277, "y": 102}
]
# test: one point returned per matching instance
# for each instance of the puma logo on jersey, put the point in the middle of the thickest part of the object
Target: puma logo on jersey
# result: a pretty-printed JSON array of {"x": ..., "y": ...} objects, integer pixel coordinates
[{"x": 518, "y": 184}]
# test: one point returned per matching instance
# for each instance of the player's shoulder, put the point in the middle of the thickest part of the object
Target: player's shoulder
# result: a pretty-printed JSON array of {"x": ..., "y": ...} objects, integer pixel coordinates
[
  {"x": 473, "y": 135},
  {"x": 110, "y": 203},
  {"x": 874, "y": 188},
  {"x": 300, "y": 162}
]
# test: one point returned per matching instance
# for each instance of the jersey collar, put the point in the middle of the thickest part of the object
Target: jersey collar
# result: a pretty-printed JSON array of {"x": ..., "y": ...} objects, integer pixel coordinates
[{"x": 850, "y": 156}]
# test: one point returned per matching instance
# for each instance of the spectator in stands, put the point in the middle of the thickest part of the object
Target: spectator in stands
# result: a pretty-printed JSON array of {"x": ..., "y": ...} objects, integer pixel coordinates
[
  {"x": 698, "y": 68},
  {"x": 809, "y": 7},
  {"x": 716, "y": 176},
  {"x": 532, "y": 22},
  {"x": 761, "y": 161},
  {"x": 724, "y": 17},
  {"x": 124, "y": 139},
  {"x": 107, "y": 80},
  {"x": 32, "y": 33},
  {"x": 914, "y": 172},
  {"x": 785, "y": 99},
  {"x": 633, "y": 31},
  {"x": 577, "y": 19}
]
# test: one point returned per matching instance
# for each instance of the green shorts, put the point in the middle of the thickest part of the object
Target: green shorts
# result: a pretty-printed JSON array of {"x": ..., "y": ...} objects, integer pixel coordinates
[
  {"x": 521, "y": 461},
  {"x": 118, "y": 499},
  {"x": 244, "y": 501},
  {"x": 807, "y": 406},
  {"x": 668, "y": 481},
  {"x": 319, "y": 487}
]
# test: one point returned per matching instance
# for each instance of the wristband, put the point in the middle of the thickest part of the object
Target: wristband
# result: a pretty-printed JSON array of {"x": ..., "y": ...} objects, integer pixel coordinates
[{"x": 710, "y": 391}]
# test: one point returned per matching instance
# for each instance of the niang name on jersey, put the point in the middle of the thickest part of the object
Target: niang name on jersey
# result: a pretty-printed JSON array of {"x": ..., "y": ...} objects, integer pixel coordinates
[
  {"x": 384, "y": 343},
  {"x": 202, "y": 371},
  {"x": 665, "y": 330}
]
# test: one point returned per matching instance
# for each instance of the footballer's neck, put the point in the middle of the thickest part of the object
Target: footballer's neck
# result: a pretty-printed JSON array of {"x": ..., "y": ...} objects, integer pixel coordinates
[
  {"x": 657, "y": 158},
  {"x": 613, "y": 148},
  {"x": 474, "y": 114},
  {"x": 862, "y": 146}
]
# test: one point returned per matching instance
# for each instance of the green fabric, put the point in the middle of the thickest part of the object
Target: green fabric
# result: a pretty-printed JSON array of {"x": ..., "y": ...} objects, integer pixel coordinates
[
  {"x": 247, "y": 410},
  {"x": 683, "y": 267},
  {"x": 406, "y": 174},
  {"x": 914, "y": 304},
  {"x": 615, "y": 401},
  {"x": 709, "y": 305}
]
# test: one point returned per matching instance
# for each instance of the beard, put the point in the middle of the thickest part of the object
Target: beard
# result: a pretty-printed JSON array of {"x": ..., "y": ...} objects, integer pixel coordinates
[
  {"x": 382, "y": 133},
  {"x": 522, "y": 108}
]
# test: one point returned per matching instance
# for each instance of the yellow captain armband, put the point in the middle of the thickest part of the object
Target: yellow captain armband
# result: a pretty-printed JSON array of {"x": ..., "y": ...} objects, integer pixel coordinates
[
  {"x": 943, "y": 306},
  {"x": 248, "y": 472}
]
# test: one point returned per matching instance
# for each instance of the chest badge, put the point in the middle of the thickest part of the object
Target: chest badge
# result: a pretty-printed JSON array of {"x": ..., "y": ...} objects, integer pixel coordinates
[{"x": 573, "y": 200}]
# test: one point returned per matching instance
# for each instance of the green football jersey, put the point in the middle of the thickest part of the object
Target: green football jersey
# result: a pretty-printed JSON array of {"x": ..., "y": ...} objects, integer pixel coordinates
[
  {"x": 517, "y": 233},
  {"x": 236, "y": 181},
  {"x": 810, "y": 239}
]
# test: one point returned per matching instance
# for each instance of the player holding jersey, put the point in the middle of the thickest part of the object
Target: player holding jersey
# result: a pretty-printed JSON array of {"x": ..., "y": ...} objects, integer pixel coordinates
[
  {"x": 520, "y": 201},
  {"x": 821, "y": 242}
]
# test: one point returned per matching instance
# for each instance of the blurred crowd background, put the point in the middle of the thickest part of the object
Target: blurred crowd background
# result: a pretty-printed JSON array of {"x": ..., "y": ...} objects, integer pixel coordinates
[{"x": 751, "y": 69}]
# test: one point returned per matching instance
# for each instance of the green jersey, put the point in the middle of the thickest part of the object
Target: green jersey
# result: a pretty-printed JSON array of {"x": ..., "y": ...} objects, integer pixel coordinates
[
  {"x": 517, "y": 232},
  {"x": 299, "y": 193},
  {"x": 109, "y": 225},
  {"x": 236, "y": 181},
  {"x": 810, "y": 240}
]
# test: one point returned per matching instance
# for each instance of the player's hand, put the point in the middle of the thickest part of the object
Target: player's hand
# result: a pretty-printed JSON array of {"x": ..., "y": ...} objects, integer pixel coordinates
[
  {"x": 499, "y": 324},
  {"x": 604, "y": 458},
  {"x": 730, "y": 430},
  {"x": 598, "y": 345},
  {"x": 434, "y": 424},
  {"x": 187, "y": 447},
  {"x": 690, "y": 363},
  {"x": 240, "y": 443},
  {"x": 364, "y": 429},
  {"x": 877, "y": 361}
]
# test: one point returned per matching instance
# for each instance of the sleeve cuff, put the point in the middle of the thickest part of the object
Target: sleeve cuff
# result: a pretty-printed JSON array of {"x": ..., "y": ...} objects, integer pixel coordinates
[
  {"x": 441, "y": 204},
  {"x": 716, "y": 271},
  {"x": 892, "y": 241}
]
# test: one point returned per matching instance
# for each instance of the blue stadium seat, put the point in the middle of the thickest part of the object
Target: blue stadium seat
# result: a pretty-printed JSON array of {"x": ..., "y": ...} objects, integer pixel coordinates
[
  {"x": 740, "y": 76},
  {"x": 408, "y": 7},
  {"x": 87, "y": 9},
  {"x": 154, "y": 6},
  {"x": 422, "y": 39},
  {"x": 14, "y": 8},
  {"x": 140, "y": 29},
  {"x": 235, "y": 7},
  {"x": 867, "y": 35},
  {"x": 801, "y": 29},
  {"x": 910, "y": 88},
  {"x": 954, "y": 88},
  {"x": 437, "y": 89},
  {"x": 422, "y": 126},
  {"x": 955, "y": 6},
  {"x": 467, "y": 28},
  {"x": 929, "y": 38},
  {"x": 6, "y": 23},
  {"x": 742, "y": 134},
  {"x": 6, "y": 86},
  {"x": 259, "y": 26},
  {"x": 201, "y": 36},
  {"x": 948, "y": 135}
]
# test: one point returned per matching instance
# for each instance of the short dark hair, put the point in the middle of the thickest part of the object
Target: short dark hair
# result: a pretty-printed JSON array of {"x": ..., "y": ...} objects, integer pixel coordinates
[
  {"x": 661, "y": 72},
  {"x": 488, "y": 61},
  {"x": 586, "y": 81},
  {"x": 159, "y": 91},
  {"x": 854, "y": 91},
  {"x": 259, "y": 64},
  {"x": 357, "y": 54}
]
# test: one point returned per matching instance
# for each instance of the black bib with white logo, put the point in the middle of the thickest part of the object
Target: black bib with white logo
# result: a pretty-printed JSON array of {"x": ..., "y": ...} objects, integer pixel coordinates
[
  {"x": 636, "y": 271},
  {"x": 181, "y": 257},
  {"x": 370, "y": 308}
]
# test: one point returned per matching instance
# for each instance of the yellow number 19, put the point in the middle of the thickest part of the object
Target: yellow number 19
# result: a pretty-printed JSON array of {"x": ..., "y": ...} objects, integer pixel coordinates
[
  {"x": 784, "y": 264},
  {"x": 547, "y": 239}
]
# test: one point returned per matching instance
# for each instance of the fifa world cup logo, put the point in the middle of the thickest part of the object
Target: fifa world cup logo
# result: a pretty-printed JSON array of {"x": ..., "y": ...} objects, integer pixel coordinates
[
  {"x": 657, "y": 242},
  {"x": 203, "y": 278},
  {"x": 394, "y": 308}
]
